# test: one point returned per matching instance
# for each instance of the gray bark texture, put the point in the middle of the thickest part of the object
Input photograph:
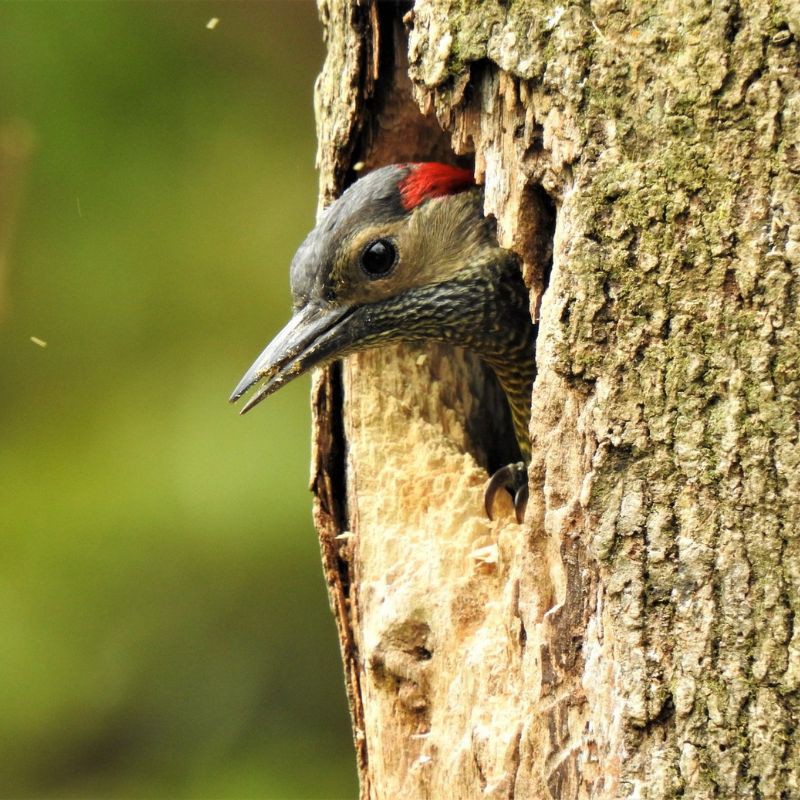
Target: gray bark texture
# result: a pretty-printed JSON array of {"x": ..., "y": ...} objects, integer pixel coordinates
[{"x": 639, "y": 635}]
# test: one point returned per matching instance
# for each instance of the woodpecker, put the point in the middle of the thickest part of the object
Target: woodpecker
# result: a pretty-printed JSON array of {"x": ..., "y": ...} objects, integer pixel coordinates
[{"x": 407, "y": 255}]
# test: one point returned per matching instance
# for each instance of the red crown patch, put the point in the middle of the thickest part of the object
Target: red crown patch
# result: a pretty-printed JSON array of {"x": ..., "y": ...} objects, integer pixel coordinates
[{"x": 429, "y": 179}]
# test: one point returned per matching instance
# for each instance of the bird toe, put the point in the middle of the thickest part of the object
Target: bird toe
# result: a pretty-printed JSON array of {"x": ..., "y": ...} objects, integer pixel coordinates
[{"x": 514, "y": 479}]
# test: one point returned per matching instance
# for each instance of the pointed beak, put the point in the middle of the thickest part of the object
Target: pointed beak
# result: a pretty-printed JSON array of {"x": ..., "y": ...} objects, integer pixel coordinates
[{"x": 314, "y": 335}]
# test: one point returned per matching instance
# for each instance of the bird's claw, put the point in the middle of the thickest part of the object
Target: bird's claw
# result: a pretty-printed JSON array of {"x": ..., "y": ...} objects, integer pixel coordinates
[{"x": 514, "y": 479}]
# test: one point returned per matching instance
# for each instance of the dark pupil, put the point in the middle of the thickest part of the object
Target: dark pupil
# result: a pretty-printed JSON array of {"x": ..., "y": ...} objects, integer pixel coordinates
[{"x": 378, "y": 257}]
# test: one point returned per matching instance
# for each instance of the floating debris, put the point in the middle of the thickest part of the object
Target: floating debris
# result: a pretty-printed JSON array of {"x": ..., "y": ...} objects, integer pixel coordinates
[
  {"x": 37, "y": 341},
  {"x": 212, "y": 23}
]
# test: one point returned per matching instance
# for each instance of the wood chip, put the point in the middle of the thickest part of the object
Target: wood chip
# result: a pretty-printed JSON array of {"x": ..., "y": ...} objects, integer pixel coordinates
[{"x": 485, "y": 557}]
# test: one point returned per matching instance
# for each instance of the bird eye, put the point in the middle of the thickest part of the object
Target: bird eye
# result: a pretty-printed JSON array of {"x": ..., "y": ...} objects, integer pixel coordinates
[{"x": 378, "y": 258}]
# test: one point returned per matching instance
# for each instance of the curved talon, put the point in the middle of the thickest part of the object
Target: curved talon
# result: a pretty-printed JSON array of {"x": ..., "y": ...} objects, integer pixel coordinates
[
  {"x": 500, "y": 479},
  {"x": 513, "y": 478},
  {"x": 521, "y": 501}
]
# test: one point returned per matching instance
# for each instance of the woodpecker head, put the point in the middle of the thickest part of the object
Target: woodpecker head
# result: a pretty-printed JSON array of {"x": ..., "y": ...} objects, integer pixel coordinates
[{"x": 388, "y": 261}]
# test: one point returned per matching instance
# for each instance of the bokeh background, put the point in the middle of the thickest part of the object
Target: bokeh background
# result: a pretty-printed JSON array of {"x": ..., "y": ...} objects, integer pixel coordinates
[{"x": 164, "y": 627}]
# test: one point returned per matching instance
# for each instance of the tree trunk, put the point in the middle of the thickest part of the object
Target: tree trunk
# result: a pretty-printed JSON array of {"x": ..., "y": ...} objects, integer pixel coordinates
[{"x": 637, "y": 636}]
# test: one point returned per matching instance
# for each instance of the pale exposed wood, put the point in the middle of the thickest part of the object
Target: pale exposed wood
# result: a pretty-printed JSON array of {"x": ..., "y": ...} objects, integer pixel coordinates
[{"x": 637, "y": 637}]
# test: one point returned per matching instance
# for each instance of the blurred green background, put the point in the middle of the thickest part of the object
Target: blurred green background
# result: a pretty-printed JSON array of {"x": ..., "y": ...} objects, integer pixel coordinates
[{"x": 165, "y": 628}]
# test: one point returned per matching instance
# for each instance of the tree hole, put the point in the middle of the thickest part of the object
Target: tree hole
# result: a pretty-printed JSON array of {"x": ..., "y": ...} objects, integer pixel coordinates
[{"x": 395, "y": 131}]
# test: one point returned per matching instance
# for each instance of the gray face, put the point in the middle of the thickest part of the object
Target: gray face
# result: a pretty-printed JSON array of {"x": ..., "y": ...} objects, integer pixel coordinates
[{"x": 372, "y": 200}]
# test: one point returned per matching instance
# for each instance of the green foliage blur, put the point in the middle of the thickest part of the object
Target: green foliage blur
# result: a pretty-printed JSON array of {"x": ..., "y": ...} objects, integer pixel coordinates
[{"x": 165, "y": 628}]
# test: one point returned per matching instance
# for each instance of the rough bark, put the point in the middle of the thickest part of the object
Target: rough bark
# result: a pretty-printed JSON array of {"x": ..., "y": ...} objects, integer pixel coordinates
[{"x": 638, "y": 635}]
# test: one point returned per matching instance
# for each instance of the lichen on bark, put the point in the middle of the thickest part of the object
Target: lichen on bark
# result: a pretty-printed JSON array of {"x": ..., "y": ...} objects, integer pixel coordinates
[{"x": 637, "y": 637}]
